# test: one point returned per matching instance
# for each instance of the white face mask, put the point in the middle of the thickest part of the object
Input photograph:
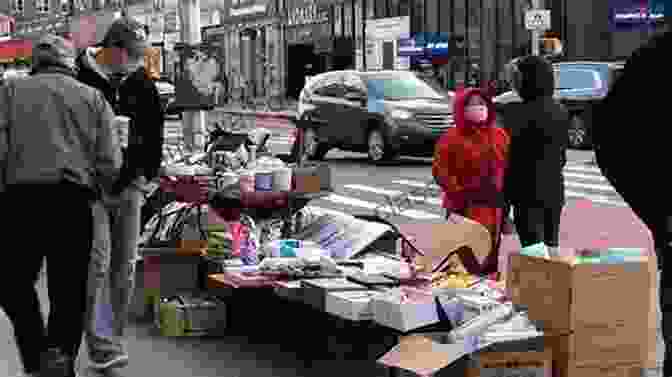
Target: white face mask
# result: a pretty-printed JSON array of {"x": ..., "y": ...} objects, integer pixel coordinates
[{"x": 476, "y": 113}]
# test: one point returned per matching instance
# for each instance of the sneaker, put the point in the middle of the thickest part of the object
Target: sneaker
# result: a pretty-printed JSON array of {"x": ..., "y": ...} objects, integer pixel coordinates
[{"x": 106, "y": 360}]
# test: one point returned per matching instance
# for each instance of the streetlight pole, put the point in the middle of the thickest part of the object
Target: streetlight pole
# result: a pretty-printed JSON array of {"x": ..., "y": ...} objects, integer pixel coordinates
[
  {"x": 536, "y": 34},
  {"x": 193, "y": 122}
]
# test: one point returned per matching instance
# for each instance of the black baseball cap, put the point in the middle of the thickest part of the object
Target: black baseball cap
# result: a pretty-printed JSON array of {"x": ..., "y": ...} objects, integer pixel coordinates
[{"x": 126, "y": 33}]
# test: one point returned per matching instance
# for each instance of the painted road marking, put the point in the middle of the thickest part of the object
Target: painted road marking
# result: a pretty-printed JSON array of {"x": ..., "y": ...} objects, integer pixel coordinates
[
  {"x": 410, "y": 213},
  {"x": 595, "y": 198},
  {"x": 393, "y": 193},
  {"x": 590, "y": 186},
  {"x": 584, "y": 169},
  {"x": 584, "y": 176}
]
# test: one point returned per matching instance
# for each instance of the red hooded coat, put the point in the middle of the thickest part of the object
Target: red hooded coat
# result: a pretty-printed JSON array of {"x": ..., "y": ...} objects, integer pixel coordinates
[{"x": 469, "y": 164}]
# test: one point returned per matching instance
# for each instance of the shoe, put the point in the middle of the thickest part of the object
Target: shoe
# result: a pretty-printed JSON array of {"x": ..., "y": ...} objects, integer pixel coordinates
[{"x": 105, "y": 360}]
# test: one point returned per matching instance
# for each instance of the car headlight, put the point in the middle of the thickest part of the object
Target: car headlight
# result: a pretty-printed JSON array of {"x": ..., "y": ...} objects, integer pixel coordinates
[{"x": 400, "y": 114}]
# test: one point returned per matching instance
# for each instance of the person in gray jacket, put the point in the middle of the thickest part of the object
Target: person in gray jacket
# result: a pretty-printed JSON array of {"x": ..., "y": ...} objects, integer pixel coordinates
[{"x": 57, "y": 149}]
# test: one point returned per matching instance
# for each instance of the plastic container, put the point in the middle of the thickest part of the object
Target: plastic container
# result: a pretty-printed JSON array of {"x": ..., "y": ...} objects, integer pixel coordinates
[
  {"x": 263, "y": 181},
  {"x": 247, "y": 181},
  {"x": 282, "y": 179}
]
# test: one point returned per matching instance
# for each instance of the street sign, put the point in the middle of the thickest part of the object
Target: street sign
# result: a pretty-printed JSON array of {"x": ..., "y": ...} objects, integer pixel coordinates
[{"x": 538, "y": 19}]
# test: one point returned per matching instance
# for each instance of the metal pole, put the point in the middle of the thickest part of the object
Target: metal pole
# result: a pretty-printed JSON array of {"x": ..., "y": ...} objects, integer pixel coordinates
[
  {"x": 193, "y": 122},
  {"x": 536, "y": 34}
]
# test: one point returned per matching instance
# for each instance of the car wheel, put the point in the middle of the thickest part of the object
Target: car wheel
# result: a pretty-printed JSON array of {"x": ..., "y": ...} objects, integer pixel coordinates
[
  {"x": 578, "y": 133},
  {"x": 313, "y": 149},
  {"x": 377, "y": 146}
]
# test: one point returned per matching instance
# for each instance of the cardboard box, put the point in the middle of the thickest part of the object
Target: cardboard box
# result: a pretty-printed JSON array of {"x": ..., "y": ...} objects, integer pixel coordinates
[
  {"x": 610, "y": 370},
  {"x": 353, "y": 306},
  {"x": 532, "y": 364},
  {"x": 315, "y": 290},
  {"x": 417, "y": 310},
  {"x": 439, "y": 240},
  {"x": 597, "y": 346},
  {"x": 650, "y": 352},
  {"x": 588, "y": 291}
]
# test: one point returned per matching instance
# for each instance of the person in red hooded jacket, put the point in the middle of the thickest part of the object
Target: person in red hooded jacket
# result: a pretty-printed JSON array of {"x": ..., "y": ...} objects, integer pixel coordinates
[{"x": 469, "y": 164}]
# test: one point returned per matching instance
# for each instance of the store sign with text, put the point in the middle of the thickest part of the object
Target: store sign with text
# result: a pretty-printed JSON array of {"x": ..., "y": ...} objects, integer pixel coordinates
[
  {"x": 304, "y": 12},
  {"x": 636, "y": 13},
  {"x": 247, "y": 8},
  {"x": 425, "y": 48}
]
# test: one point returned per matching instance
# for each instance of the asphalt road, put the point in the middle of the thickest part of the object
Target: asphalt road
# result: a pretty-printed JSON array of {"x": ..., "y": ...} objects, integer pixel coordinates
[{"x": 594, "y": 216}]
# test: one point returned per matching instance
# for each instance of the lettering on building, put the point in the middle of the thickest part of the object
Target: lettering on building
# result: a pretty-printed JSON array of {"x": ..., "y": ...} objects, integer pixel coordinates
[{"x": 310, "y": 14}]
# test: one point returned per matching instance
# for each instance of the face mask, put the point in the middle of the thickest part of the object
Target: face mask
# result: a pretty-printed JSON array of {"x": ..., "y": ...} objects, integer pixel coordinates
[{"x": 476, "y": 114}]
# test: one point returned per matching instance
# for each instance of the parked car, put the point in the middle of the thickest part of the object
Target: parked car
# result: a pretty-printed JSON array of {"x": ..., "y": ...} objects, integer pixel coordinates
[
  {"x": 578, "y": 85},
  {"x": 384, "y": 114},
  {"x": 167, "y": 96}
]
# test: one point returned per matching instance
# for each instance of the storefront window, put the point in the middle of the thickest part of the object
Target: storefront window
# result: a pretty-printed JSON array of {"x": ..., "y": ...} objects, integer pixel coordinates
[
  {"x": 370, "y": 9},
  {"x": 393, "y": 8},
  {"x": 474, "y": 30},
  {"x": 522, "y": 36},
  {"x": 458, "y": 58},
  {"x": 405, "y": 7},
  {"x": 380, "y": 8},
  {"x": 432, "y": 10},
  {"x": 338, "y": 20},
  {"x": 359, "y": 23},
  {"x": 418, "y": 14},
  {"x": 347, "y": 19},
  {"x": 504, "y": 37}
]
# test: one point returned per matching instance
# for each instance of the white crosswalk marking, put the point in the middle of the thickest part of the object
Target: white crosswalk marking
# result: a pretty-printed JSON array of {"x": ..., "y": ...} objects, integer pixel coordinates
[{"x": 582, "y": 182}]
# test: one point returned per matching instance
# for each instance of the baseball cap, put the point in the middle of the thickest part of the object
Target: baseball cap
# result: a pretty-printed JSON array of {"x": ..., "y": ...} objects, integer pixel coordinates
[
  {"x": 125, "y": 33},
  {"x": 52, "y": 49}
]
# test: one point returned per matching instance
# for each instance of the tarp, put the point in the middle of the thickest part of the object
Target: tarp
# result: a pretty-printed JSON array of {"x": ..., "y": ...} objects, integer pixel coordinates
[{"x": 12, "y": 49}]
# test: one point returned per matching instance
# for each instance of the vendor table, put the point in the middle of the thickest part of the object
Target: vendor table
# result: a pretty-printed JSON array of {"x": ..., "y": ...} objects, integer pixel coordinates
[{"x": 264, "y": 205}]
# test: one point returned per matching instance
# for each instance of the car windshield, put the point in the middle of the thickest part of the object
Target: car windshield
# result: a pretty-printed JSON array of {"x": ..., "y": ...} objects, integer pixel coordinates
[
  {"x": 566, "y": 79},
  {"x": 397, "y": 87}
]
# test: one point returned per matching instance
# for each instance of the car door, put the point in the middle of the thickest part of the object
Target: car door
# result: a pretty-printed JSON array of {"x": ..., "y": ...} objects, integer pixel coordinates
[
  {"x": 355, "y": 112},
  {"x": 328, "y": 100}
]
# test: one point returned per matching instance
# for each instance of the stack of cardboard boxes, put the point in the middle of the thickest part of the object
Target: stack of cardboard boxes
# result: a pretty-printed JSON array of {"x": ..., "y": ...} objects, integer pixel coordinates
[{"x": 597, "y": 316}]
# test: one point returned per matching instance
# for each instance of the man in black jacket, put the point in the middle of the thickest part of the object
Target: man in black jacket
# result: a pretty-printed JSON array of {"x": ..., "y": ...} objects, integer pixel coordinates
[
  {"x": 117, "y": 69},
  {"x": 630, "y": 158},
  {"x": 534, "y": 183}
]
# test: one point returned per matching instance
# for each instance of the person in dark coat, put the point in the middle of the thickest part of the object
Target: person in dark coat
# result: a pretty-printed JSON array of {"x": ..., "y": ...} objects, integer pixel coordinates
[
  {"x": 534, "y": 183},
  {"x": 623, "y": 153},
  {"x": 116, "y": 67}
]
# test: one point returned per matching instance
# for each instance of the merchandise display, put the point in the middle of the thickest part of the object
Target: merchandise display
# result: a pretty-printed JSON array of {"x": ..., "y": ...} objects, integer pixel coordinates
[{"x": 253, "y": 210}]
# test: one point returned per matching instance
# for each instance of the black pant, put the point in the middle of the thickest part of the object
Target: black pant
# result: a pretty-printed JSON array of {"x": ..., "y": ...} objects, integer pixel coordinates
[
  {"x": 52, "y": 221},
  {"x": 535, "y": 225}
]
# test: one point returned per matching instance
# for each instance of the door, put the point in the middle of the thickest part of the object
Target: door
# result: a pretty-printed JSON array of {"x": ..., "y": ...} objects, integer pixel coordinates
[
  {"x": 388, "y": 55},
  {"x": 355, "y": 111},
  {"x": 328, "y": 101}
]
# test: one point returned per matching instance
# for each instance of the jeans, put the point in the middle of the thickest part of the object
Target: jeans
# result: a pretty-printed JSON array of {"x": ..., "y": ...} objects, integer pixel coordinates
[
  {"x": 536, "y": 225},
  {"x": 112, "y": 269},
  {"x": 59, "y": 217}
]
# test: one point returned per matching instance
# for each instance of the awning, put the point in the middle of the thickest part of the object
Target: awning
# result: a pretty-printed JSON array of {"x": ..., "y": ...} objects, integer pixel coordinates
[{"x": 15, "y": 48}]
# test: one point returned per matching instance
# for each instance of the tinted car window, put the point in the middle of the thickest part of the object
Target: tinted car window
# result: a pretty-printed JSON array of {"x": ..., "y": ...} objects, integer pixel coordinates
[
  {"x": 399, "y": 87},
  {"x": 577, "y": 79},
  {"x": 330, "y": 90}
]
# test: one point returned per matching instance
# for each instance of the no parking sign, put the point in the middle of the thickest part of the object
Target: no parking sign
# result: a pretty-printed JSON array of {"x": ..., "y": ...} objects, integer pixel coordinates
[{"x": 538, "y": 19}]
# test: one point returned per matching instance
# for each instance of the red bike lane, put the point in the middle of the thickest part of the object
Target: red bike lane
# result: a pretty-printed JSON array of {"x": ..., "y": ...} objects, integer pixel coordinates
[{"x": 585, "y": 224}]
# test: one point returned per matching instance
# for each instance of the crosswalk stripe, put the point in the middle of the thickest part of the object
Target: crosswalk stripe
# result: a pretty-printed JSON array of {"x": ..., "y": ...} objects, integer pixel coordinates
[
  {"x": 595, "y": 198},
  {"x": 393, "y": 193},
  {"x": 584, "y": 176},
  {"x": 584, "y": 169},
  {"x": 589, "y": 186},
  {"x": 416, "y": 184},
  {"x": 353, "y": 202}
]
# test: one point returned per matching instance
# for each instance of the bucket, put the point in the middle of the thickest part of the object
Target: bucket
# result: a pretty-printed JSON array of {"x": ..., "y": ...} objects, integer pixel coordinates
[
  {"x": 282, "y": 179},
  {"x": 263, "y": 181}
]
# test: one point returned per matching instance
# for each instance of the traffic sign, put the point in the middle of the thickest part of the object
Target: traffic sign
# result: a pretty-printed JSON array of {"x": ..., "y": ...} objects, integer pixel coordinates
[{"x": 538, "y": 19}]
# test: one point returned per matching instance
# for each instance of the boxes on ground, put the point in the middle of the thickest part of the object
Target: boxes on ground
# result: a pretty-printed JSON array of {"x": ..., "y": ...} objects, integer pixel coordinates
[
  {"x": 589, "y": 291},
  {"x": 491, "y": 364},
  {"x": 312, "y": 178},
  {"x": 315, "y": 290},
  {"x": 352, "y": 305},
  {"x": 405, "y": 309},
  {"x": 191, "y": 315}
]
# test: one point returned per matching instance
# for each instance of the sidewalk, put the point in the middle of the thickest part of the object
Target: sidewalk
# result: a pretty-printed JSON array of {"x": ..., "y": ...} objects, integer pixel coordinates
[{"x": 232, "y": 356}]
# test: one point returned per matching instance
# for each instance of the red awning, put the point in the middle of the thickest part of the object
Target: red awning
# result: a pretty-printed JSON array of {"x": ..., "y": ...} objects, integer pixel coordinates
[{"x": 15, "y": 48}]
